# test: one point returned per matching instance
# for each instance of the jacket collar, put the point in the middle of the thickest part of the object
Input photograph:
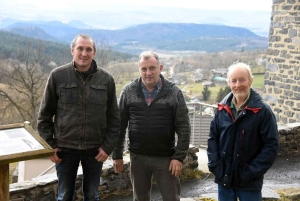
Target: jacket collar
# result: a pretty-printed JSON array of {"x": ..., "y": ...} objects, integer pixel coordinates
[
  {"x": 92, "y": 69},
  {"x": 166, "y": 86},
  {"x": 254, "y": 104}
]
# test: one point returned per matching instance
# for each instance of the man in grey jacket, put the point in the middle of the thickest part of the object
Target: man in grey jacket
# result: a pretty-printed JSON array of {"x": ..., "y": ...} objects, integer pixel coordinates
[
  {"x": 79, "y": 118},
  {"x": 153, "y": 109}
]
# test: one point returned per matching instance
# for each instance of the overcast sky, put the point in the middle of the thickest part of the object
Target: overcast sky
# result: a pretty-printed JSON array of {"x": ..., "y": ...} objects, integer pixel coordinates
[
  {"x": 66, "y": 10},
  {"x": 80, "y": 5}
]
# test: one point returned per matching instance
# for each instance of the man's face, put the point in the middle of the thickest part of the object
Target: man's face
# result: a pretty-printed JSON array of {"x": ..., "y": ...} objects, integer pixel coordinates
[
  {"x": 150, "y": 70},
  {"x": 83, "y": 53},
  {"x": 240, "y": 83}
]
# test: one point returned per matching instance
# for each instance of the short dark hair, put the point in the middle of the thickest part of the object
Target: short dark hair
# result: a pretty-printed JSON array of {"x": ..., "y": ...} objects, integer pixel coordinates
[
  {"x": 85, "y": 36},
  {"x": 147, "y": 54}
]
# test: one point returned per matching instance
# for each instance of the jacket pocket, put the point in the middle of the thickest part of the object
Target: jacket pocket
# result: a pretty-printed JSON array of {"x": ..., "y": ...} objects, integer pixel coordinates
[
  {"x": 69, "y": 93},
  {"x": 218, "y": 171},
  {"x": 98, "y": 94},
  {"x": 245, "y": 176}
]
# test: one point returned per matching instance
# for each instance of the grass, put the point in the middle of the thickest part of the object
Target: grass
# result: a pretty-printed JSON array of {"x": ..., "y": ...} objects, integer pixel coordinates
[
  {"x": 258, "y": 81},
  {"x": 190, "y": 174}
]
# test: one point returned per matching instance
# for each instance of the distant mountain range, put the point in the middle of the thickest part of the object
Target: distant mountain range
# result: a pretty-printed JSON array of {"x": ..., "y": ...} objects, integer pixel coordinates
[
  {"x": 120, "y": 17},
  {"x": 154, "y": 36}
]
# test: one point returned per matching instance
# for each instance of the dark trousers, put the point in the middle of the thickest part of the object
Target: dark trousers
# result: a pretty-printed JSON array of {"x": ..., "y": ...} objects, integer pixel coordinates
[
  {"x": 143, "y": 168},
  {"x": 229, "y": 194},
  {"x": 67, "y": 173}
]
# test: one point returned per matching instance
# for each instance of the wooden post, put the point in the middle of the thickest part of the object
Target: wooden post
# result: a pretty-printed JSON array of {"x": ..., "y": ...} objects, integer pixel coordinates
[{"x": 4, "y": 182}]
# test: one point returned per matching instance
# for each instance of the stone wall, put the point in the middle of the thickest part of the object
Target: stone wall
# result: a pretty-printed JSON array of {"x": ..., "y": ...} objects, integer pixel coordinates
[
  {"x": 282, "y": 77},
  {"x": 289, "y": 139},
  {"x": 44, "y": 188}
]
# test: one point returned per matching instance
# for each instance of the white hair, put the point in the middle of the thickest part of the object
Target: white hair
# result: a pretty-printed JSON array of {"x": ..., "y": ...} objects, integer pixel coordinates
[{"x": 239, "y": 65}]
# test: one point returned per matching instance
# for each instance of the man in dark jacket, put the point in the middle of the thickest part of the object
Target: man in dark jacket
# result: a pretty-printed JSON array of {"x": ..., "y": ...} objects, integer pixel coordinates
[
  {"x": 79, "y": 118},
  {"x": 153, "y": 109},
  {"x": 243, "y": 139}
]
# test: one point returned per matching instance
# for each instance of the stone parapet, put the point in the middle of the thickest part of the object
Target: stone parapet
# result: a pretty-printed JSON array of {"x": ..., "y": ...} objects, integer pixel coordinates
[
  {"x": 289, "y": 139},
  {"x": 45, "y": 187}
]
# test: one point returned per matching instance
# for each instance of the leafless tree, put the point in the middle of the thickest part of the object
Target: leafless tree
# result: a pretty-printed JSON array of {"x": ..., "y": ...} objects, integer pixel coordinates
[
  {"x": 123, "y": 72},
  {"x": 103, "y": 54},
  {"x": 23, "y": 89}
]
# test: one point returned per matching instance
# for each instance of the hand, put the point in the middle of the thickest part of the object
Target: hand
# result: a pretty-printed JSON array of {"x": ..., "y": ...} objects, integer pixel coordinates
[
  {"x": 55, "y": 158},
  {"x": 175, "y": 167},
  {"x": 102, "y": 156},
  {"x": 118, "y": 165}
]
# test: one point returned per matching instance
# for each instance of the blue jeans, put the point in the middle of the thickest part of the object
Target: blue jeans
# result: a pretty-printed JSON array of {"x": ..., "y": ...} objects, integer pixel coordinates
[
  {"x": 67, "y": 173},
  {"x": 230, "y": 194},
  {"x": 143, "y": 168}
]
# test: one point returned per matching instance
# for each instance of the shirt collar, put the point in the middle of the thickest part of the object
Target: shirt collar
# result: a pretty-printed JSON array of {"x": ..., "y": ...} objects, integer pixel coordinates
[{"x": 157, "y": 86}]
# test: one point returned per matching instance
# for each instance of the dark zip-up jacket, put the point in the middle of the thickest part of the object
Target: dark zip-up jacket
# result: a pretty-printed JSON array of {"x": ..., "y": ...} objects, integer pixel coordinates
[
  {"x": 241, "y": 150},
  {"x": 79, "y": 113},
  {"x": 152, "y": 128}
]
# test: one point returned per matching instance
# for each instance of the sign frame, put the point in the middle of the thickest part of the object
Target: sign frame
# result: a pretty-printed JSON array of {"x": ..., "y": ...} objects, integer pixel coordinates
[{"x": 46, "y": 151}]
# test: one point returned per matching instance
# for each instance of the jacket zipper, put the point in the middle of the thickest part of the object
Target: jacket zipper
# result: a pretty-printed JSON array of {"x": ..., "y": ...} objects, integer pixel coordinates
[{"x": 83, "y": 110}]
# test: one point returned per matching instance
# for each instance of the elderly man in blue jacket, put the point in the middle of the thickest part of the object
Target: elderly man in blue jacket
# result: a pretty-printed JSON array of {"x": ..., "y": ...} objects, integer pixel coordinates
[{"x": 243, "y": 139}]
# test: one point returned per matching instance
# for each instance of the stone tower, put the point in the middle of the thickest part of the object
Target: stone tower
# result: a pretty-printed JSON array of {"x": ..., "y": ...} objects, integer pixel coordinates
[{"x": 282, "y": 77}]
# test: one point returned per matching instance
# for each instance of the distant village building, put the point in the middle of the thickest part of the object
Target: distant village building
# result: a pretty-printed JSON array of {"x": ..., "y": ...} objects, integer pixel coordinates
[
  {"x": 220, "y": 72},
  {"x": 178, "y": 79},
  {"x": 198, "y": 70},
  {"x": 196, "y": 99},
  {"x": 167, "y": 65},
  {"x": 182, "y": 67},
  {"x": 220, "y": 79},
  {"x": 209, "y": 84},
  {"x": 197, "y": 77}
]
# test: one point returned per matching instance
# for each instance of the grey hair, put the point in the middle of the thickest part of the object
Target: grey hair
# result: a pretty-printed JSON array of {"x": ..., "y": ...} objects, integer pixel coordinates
[
  {"x": 85, "y": 36},
  {"x": 239, "y": 65},
  {"x": 147, "y": 54}
]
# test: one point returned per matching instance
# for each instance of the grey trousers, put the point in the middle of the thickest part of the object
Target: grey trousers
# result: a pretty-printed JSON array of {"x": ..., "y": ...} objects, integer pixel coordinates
[{"x": 143, "y": 168}]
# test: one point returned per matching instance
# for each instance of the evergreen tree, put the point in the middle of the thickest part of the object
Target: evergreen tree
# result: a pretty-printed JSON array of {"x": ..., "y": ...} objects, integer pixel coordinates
[
  {"x": 206, "y": 93},
  {"x": 222, "y": 93}
]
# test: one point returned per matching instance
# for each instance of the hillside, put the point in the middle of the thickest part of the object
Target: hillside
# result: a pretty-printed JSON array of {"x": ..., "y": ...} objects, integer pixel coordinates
[
  {"x": 155, "y": 36},
  {"x": 14, "y": 45}
]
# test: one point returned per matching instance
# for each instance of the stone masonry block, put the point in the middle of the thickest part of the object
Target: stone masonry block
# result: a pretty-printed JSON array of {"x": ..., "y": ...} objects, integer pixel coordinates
[
  {"x": 270, "y": 98},
  {"x": 289, "y": 19},
  {"x": 271, "y": 67},
  {"x": 286, "y": 7},
  {"x": 296, "y": 41},
  {"x": 292, "y": 33},
  {"x": 278, "y": 1},
  {"x": 287, "y": 40}
]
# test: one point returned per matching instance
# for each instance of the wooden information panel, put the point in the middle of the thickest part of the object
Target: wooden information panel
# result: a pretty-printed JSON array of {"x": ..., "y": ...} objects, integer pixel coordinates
[{"x": 18, "y": 142}]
